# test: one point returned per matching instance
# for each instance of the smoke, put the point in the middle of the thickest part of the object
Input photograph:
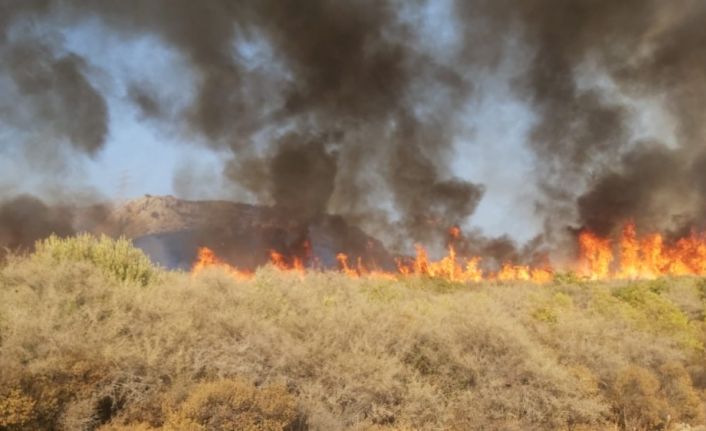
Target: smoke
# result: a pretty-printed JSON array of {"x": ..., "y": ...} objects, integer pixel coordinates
[
  {"x": 651, "y": 188},
  {"x": 298, "y": 178},
  {"x": 591, "y": 168},
  {"x": 302, "y": 176},
  {"x": 26, "y": 219},
  {"x": 52, "y": 116},
  {"x": 586, "y": 68},
  {"x": 342, "y": 107},
  {"x": 316, "y": 101},
  {"x": 58, "y": 95}
]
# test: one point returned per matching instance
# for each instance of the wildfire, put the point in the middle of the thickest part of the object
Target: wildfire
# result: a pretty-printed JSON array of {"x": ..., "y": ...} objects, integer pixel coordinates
[
  {"x": 206, "y": 258},
  {"x": 600, "y": 258},
  {"x": 449, "y": 267},
  {"x": 359, "y": 270},
  {"x": 596, "y": 255},
  {"x": 646, "y": 257},
  {"x": 280, "y": 262}
]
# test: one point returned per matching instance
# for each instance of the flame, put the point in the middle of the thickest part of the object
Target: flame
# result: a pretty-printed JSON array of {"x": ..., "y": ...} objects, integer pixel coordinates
[
  {"x": 279, "y": 261},
  {"x": 206, "y": 258},
  {"x": 360, "y": 270},
  {"x": 646, "y": 257},
  {"x": 450, "y": 267},
  {"x": 297, "y": 262},
  {"x": 454, "y": 232},
  {"x": 630, "y": 262},
  {"x": 345, "y": 268},
  {"x": 596, "y": 255},
  {"x": 630, "y": 256}
]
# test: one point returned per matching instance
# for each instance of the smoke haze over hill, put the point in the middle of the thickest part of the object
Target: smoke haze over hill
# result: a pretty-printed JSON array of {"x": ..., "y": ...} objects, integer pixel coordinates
[{"x": 358, "y": 108}]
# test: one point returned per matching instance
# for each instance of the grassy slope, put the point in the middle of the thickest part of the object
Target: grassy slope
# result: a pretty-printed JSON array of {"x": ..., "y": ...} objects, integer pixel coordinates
[{"x": 82, "y": 344}]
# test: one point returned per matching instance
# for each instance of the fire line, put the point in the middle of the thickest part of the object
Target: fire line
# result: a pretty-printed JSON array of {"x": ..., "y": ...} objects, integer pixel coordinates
[{"x": 628, "y": 257}]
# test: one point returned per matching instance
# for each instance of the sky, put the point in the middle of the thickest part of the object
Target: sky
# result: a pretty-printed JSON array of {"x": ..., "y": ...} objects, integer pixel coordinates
[
  {"x": 140, "y": 157},
  {"x": 540, "y": 117}
]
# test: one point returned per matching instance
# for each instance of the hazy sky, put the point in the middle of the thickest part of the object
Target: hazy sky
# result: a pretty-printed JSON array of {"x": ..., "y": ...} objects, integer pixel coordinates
[
  {"x": 141, "y": 157},
  {"x": 492, "y": 146}
]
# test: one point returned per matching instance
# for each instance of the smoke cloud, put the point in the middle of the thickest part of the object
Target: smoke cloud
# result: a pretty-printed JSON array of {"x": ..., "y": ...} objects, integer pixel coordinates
[
  {"x": 26, "y": 219},
  {"x": 52, "y": 116},
  {"x": 342, "y": 107},
  {"x": 349, "y": 74},
  {"x": 593, "y": 172}
]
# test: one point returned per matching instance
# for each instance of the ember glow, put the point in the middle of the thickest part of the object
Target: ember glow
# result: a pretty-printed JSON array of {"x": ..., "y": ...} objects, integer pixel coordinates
[{"x": 627, "y": 257}]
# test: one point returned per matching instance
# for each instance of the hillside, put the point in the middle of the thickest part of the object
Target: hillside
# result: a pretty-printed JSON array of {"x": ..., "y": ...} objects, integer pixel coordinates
[
  {"x": 171, "y": 230},
  {"x": 92, "y": 337},
  {"x": 158, "y": 214}
]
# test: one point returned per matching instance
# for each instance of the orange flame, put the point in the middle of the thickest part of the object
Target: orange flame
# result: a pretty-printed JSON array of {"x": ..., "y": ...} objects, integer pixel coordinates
[
  {"x": 206, "y": 258},
  {"x": 450, "y": 267},
  {"x": 600, "y": 258},
  {"x": 280, "y": 262},
  {"x": 646, "y": 257},
  {"x": 596, "y": 255},
  {"x": 454, "y": 232},
  {"x": 277, "y": 259},
  {"x": 345, "y": 268}
]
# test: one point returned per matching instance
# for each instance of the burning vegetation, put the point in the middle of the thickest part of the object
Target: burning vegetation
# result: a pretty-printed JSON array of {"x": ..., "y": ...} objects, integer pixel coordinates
[
  {"x": 627, "y": 257},
  {"x": 353, "y": 134},
  {"x": 641, "y": 257}
]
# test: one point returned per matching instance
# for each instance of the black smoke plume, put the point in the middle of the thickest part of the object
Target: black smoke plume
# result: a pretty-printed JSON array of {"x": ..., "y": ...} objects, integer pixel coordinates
[
  {"x": 52, "y": 116},
  {"x": 593, "y": 172},
  {"x": 342, "y": 107},
  {"x": 26, "y": 219}
]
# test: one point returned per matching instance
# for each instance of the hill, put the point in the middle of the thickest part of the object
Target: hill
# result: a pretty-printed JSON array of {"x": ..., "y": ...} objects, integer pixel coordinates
[{"x": 170, "y": 231}]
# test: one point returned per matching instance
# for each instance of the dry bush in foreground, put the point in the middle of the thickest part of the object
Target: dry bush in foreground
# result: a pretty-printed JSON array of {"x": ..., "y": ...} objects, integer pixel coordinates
[
  {"x": 230, "y": 404},
  {"x": 84, "y": 347}
]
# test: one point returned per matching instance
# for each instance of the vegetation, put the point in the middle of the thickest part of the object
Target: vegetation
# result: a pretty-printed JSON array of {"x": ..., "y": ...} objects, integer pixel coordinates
[
  {"x": 94, "y": 338},
  {"x": 117, "y": 258}
]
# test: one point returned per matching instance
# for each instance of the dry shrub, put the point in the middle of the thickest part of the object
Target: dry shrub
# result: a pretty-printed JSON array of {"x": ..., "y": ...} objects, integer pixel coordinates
[
  {"x": 70, "y": 396},
  {"x": 117, "y": 258},
  {"x": 356, "y": 353},
  {"x": 90, "y": 413},
  {"x": 16, "y": 410},
  {"x": 677, "y": 388},
  {"x": 235, "y": 404},
  {"x": 637, "y": 401},
  {"x": 586, "y": 378},
  {"x": 388, "y": 428},
  {"x": 225, "y": 404},
  {"x": 649, "y": 307},
  {"x": 136, "y": 426},
  {"x": 643, "y": 400},
  {"x": 614, "y": 329}
]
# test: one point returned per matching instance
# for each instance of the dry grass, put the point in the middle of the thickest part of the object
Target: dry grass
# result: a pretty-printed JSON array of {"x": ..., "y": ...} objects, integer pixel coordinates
[{"x": 83, "y": 349}]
